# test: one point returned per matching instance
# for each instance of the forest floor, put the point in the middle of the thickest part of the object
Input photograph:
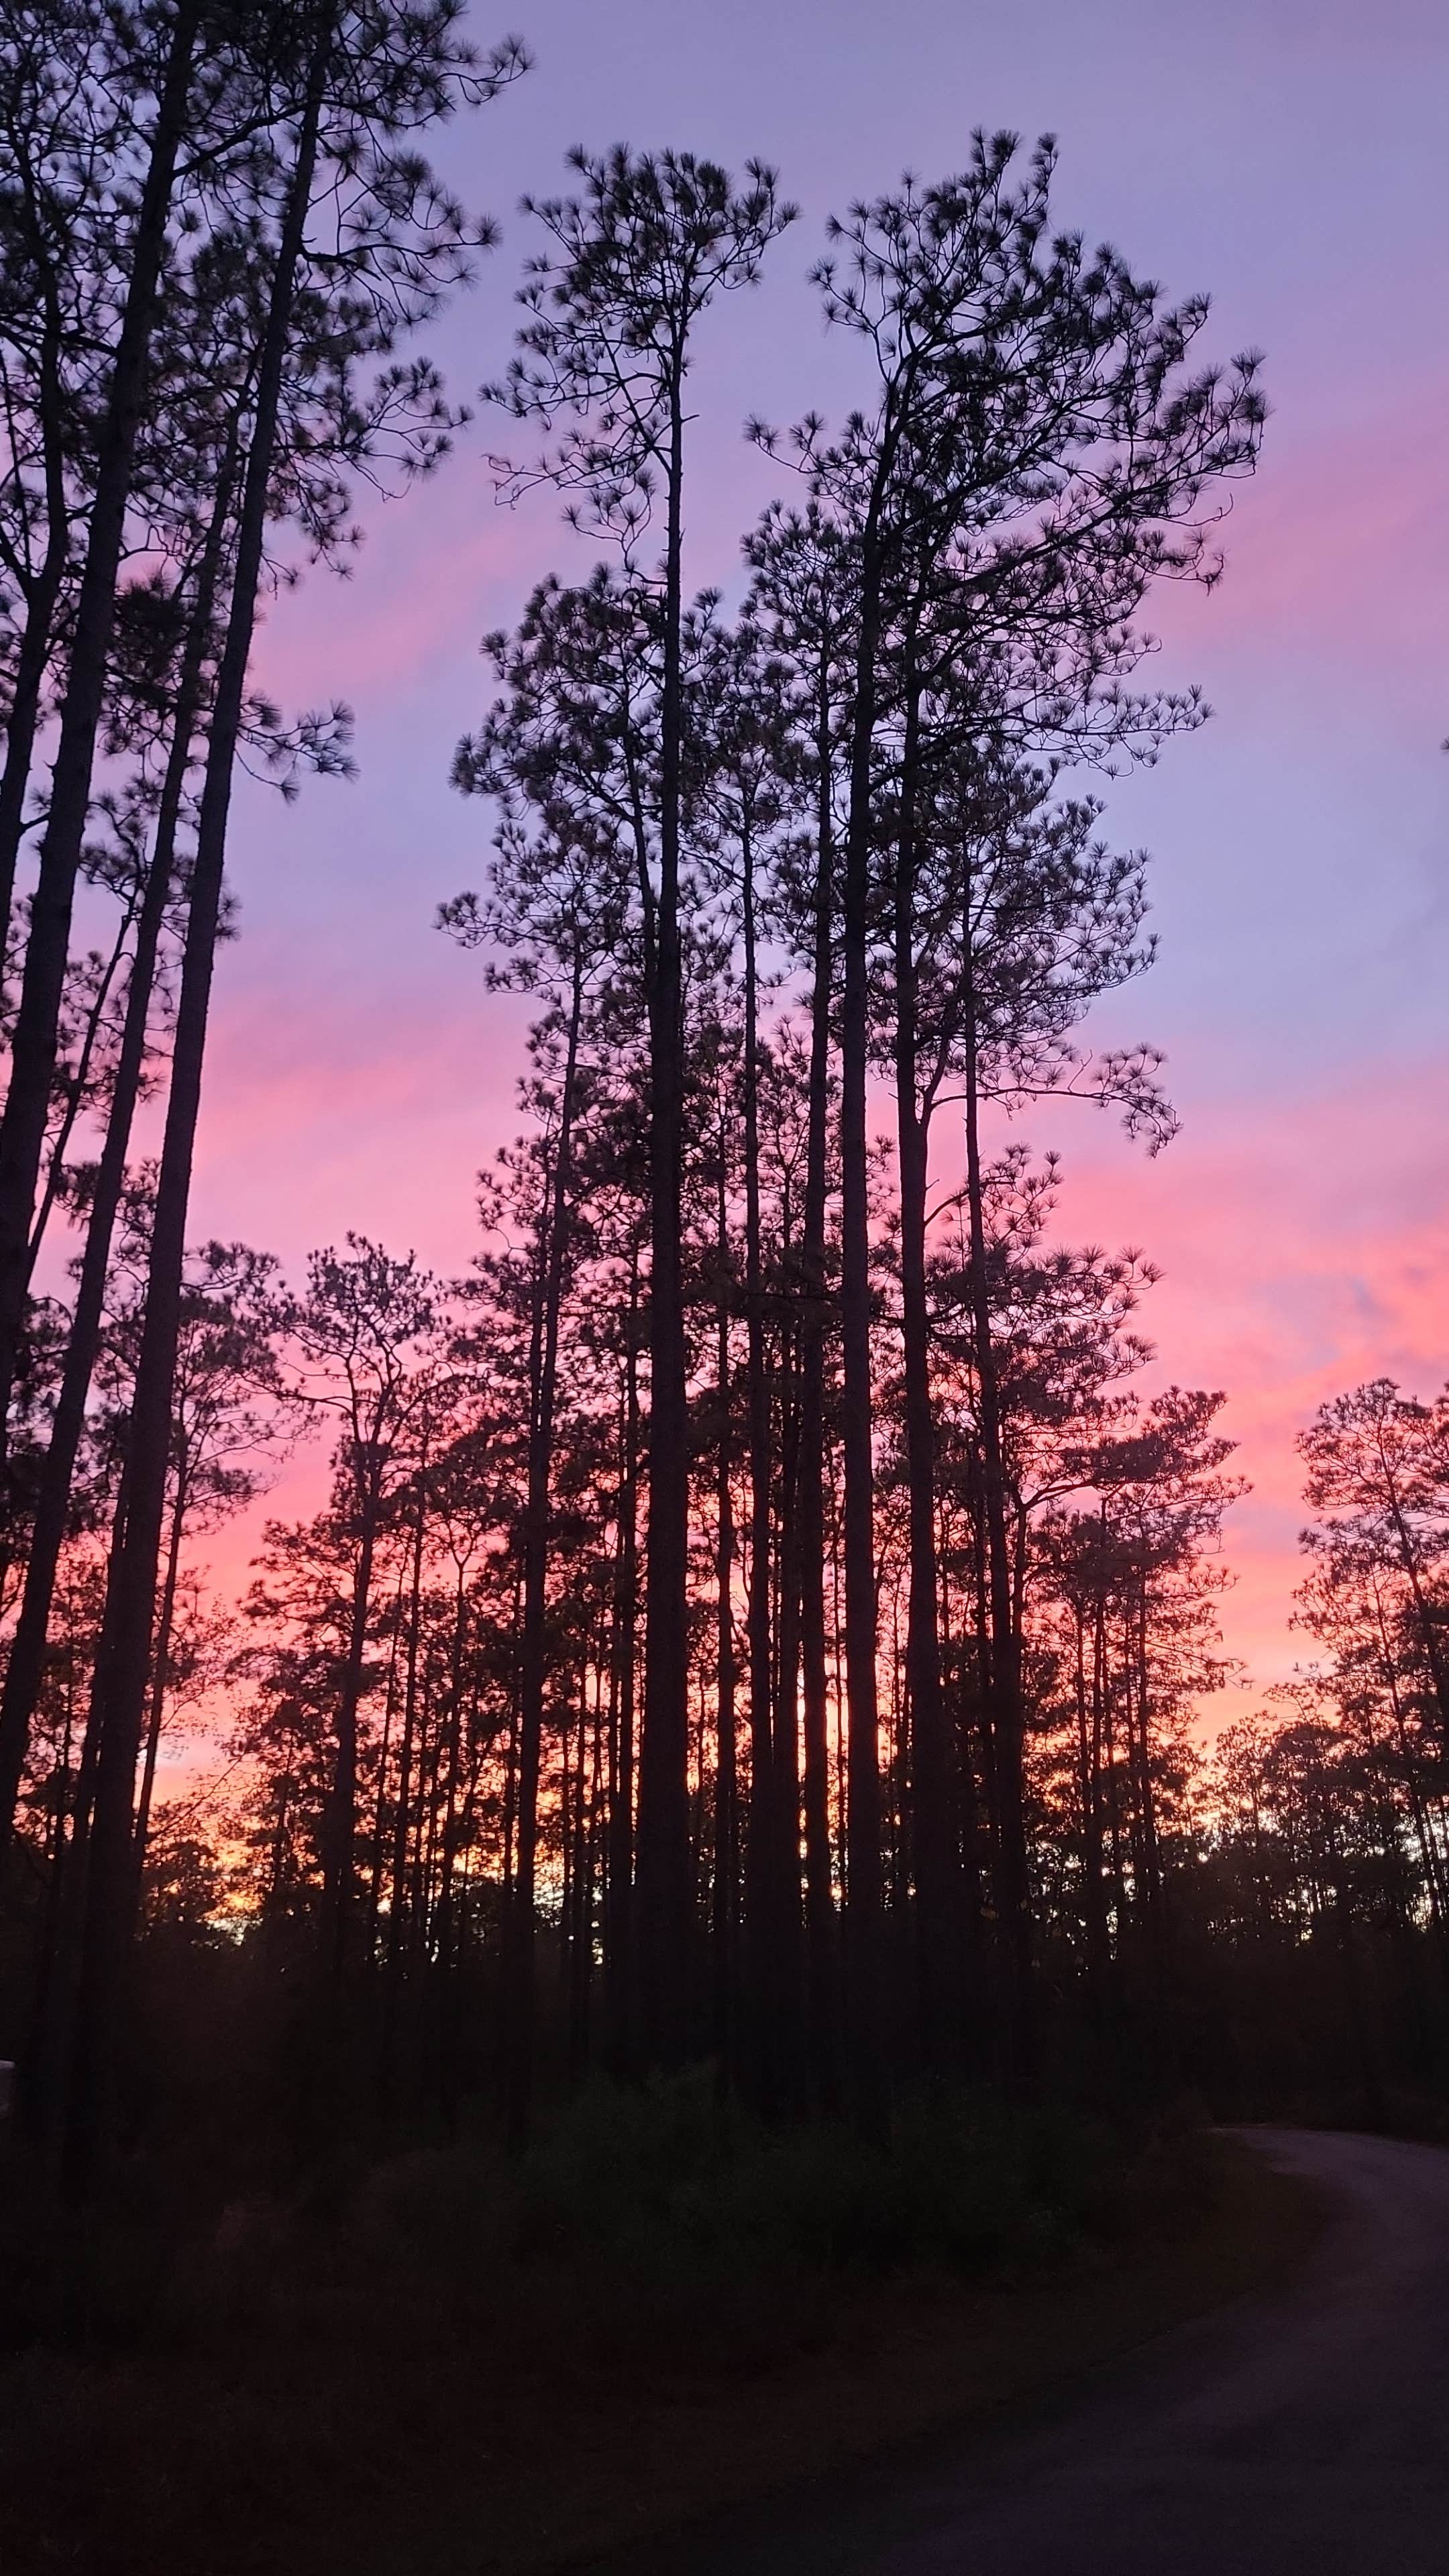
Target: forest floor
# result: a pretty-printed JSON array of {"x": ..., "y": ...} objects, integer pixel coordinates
[
  {"x": 413, "y": 2401},
  {"x": 1299, "y": 2427}
]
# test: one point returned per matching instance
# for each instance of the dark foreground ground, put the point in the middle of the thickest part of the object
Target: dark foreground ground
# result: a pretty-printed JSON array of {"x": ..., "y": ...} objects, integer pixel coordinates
[
  {"x": 1301, "y": 2431},
  {"x": 458, "y": 2372}
]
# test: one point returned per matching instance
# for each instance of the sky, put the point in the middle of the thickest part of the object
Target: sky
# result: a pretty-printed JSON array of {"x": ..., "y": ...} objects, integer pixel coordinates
[{"x": 1289, "y": 157}]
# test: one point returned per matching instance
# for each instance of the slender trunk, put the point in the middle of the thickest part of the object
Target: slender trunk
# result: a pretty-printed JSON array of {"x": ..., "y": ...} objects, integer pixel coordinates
[
  {"x": 726, "y": 1781},
  {"x": 620, "y": 1978},
  {"x": 33, "y": 1046},
  {"x": 122, "y": 1678},
  {"x": 1098, "y": 1956},
  {"x": 837, "y": 1684},
  {"x": 933, "y": 1832},
  {"x": 379, "y": 1804},
  {"x": 898, "y": 1823},
  {"x": 27, "y": 1651},
  {"x": 424, "y": 1922},
  {"x": 398, "y": 1892},
  {"x": 447, "y": 2017},
  {"x": 453, "y": 1810},
  {"x": 762, "y": 1925},
  {"x": 53, "y": 2000},
  {"x": 32, "y": 663},
  {"x": 1007, "y": 1725},
  {"x": 160, "y": 1660},
  {"x": 810, "y": 1485},
  {"x": 956, "y": 1686},
  {"x": 510, "y": 1802},
  {"x": 1113, "y": 1781},
  {"x": 339, "y": 1827},
  {"x": 518, "y": 1974},
  {"x": 565, "y": 1837},
  {"x": 42, "y": 596},
  {"x": 76, "y": 1087},
  {"x": 581, "y": 1979},
  {"x": 864, "y": 1889},
  {"x": 665, "y": 1891},
  {"x": 74, "y": 1090},
  {"x": 789, "y": 1960},
  {"x": 47, "y": 1949},
  {"x": 1155, "y": 1881}
]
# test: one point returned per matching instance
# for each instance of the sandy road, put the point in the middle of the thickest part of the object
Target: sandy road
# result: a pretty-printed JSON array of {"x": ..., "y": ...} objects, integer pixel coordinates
[{"x": 1305, "y": 2433}]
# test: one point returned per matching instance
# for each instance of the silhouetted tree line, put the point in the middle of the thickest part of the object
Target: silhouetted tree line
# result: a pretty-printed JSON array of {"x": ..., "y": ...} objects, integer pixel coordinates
[
  {"x": 1328, "y": 1866},
  {"x": 754, "y": 1615},
  {"x": 216, "y": 233}
]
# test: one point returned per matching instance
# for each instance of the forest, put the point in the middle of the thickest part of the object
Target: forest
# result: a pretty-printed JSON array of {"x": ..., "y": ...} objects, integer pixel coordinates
[{"x": 758, "y": 1656}]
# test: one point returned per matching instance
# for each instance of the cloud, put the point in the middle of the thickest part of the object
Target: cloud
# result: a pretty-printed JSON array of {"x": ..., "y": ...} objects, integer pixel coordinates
[
  {"x": 1337, "y": 551},
  {"x": 1304, "y": 1242},
  {"x": 321, "y": 1121}
]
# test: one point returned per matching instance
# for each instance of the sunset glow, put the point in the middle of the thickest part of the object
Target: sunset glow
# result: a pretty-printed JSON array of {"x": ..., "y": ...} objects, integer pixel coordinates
[
  {"x": 724, "y": 1219},
  {"x": 1300, "y": 849}
]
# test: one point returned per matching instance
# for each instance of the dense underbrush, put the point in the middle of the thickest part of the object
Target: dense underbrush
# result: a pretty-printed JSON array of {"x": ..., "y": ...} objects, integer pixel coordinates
[{"x": 201, "y": 2394}]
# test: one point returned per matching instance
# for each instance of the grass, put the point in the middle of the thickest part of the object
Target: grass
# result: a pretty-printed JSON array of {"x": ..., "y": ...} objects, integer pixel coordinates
[{"x": 661, "y": 2310}]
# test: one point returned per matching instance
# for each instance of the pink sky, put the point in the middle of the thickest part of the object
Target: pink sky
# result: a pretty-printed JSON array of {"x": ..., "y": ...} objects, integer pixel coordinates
[{"x": 1292, "y": 162}]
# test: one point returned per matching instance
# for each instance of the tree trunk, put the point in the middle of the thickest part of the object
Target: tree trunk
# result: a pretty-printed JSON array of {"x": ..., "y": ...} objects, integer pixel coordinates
[
  {"x": 933, "y": 1826},
  {"x": 863, "y": 1890},
  {"x": 762, "y": 1852},
  {"x": 448, "y": 1912},
  {"x": 42, "y": 596},
  {"x": 122, "y": 1676},
  {"x": 160, "y": 1658},
  {"x": 379, "y": 1804},
  {"x": 620, "y": 1926},
  {"x": 518, "y": 1972},
  {"x": 27, "y": 1651},
  {"x": 54, "y": 1997},
  {"x": 823, "y": 1965},
  {"x": 665, "y": 1889},
  {"x": 339, "y": 1823},
  {"x": 398, "y": 1892},
  {"x": 76, "y": 1086},
  {"x": 1007, "y": 1722},
  {"x": 726, "y": 1891},
  {"x": 581, "y": 1955},
  {"x": 33, "y": 1046},
  {"x": 789, "y": 1959},
  {"x": 1098, "y": 1955}
]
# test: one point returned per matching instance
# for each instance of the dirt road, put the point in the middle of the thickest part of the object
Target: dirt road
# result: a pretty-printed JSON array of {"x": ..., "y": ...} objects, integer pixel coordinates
[{"x": 1302, "y": 2434}]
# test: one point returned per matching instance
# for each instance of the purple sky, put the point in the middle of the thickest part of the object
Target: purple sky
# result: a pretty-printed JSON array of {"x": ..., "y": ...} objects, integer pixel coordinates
[{"x": 1290, "y": 159}]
